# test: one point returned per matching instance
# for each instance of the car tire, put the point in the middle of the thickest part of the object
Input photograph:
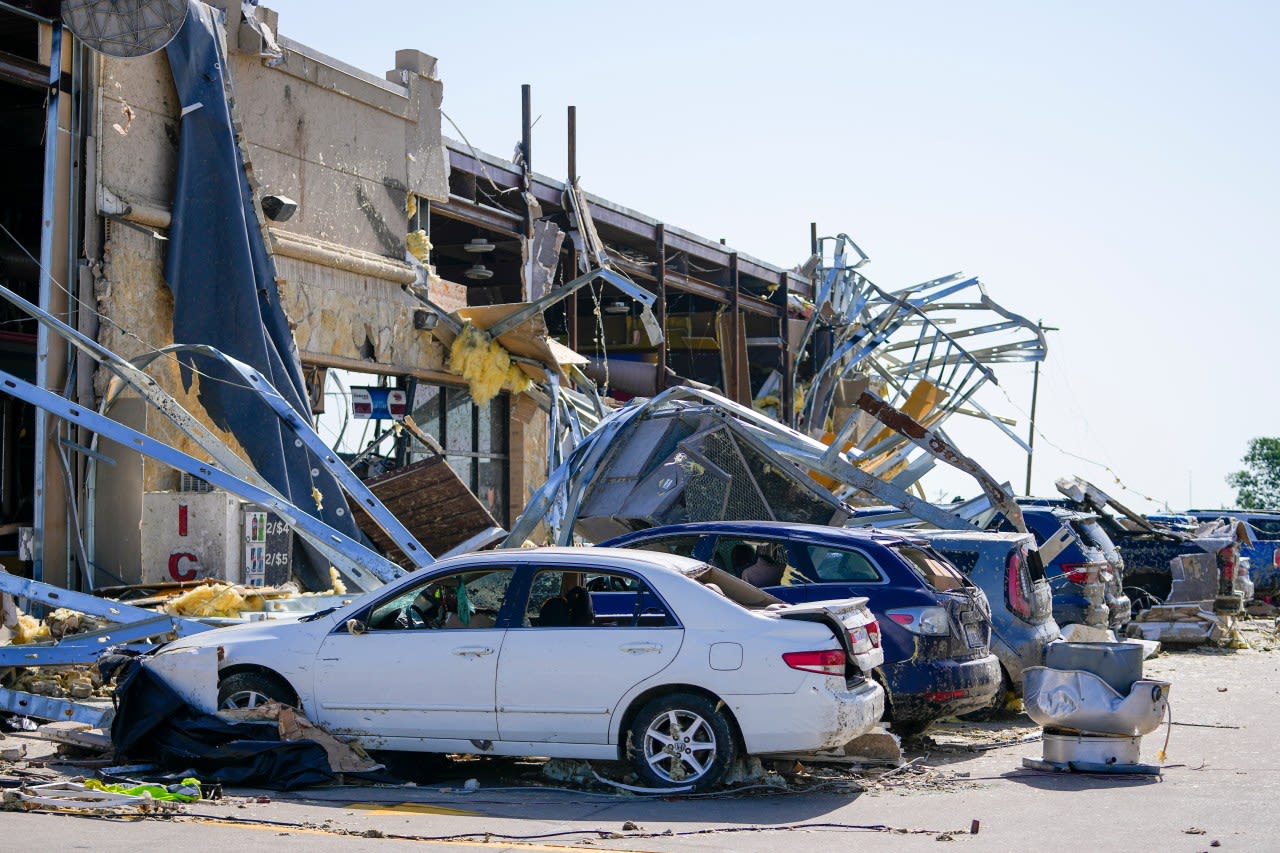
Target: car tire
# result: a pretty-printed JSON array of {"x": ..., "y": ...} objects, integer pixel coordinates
[
  {"x": 251, "y": 689},
  {"x": 681, "y": 739}
]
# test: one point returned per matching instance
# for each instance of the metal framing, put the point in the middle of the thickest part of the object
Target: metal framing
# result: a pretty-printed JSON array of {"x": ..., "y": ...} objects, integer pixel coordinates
[
  {"x": 362, "y": 567},
  {"x": 48, "y": 207}
]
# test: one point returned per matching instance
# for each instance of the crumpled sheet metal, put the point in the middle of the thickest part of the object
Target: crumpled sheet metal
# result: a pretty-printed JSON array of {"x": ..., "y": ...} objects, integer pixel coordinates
[
  {"x": 944, "y": 334},
  {"x": 1079, "y": 700},
  {"x": 560, "y": 500}
]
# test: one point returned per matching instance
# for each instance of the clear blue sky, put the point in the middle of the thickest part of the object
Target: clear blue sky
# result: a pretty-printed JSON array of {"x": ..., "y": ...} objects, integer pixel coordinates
[{"x": 1107, "y": 167}]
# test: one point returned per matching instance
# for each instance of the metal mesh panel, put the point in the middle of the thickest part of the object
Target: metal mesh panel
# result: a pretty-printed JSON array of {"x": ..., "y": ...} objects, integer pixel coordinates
[
  {"x": 192, "y": 483},
  {"x": 788, "y": 498},
  {"x": 705, "y": 492},
  {"x": 745, "y": 501}
]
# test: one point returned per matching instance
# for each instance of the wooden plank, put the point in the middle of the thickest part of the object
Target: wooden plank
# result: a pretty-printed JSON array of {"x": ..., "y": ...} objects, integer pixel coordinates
[{"x": 432, "y": 502}]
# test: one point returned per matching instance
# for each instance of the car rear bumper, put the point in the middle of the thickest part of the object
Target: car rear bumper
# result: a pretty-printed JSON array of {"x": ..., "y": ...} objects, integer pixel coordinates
[
  {"x": 1020, "y": 645},
  {"x": 812, "y": 718},
  {"x": 1070, "y": 606},
  {"x": 926, "y": 690}
]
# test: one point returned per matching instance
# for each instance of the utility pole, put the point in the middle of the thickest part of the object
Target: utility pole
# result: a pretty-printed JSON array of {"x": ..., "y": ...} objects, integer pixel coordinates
[{"x": 1035, "y": 391}]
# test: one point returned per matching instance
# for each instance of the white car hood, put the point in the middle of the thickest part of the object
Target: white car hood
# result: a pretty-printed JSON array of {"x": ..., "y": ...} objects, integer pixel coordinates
[{"x": 271, "y": 629}]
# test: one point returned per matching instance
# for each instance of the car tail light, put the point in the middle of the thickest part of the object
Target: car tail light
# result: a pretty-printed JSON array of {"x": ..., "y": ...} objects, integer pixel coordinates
[
  {"x": 1275, "y": 558},
  {"x": 869, "y": 634},
  {"x": 1016, "y": 582},
  {"x": 1078, "y": 572},
  {"x": 829, "y": 662},
  {"x": 930, "y": 621},
  {"x": 1227, "y": 558}
]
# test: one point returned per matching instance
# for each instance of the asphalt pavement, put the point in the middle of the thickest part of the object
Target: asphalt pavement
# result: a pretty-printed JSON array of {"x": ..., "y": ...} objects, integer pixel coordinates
[{"x": 966, "y": 788}]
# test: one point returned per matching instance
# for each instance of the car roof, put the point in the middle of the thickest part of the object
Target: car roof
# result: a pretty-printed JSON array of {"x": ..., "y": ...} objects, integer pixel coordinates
[
  {"x": 1058, "y": 511},
  {"x": 1238, "y": 513},
  {"x": 975, "y": 535},
  {"x": 780, "y": 528},
  {"x": 614, "y": 557}
]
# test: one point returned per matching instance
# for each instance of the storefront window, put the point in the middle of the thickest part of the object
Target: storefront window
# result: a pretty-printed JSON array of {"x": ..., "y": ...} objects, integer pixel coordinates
[{"x": 474, "y": 438}]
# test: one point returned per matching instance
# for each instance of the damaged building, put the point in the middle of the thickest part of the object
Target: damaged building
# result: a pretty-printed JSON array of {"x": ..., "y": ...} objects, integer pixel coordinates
[
  {"x": 375, "y": 226},
  {"x": 211, "y": 183}
]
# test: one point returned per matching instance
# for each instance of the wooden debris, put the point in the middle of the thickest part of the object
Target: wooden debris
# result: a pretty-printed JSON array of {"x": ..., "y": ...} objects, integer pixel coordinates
[
  {"x": 75, "y": 797},
  {"x": 76, "y": 734}
]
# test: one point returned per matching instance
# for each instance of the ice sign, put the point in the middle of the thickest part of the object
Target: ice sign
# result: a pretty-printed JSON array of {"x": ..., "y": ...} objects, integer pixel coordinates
[{"x": 380, "y": 403}]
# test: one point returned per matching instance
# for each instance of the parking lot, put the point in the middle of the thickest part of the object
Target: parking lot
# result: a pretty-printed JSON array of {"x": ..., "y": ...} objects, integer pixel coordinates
[{"x": 1217, "y": 790}]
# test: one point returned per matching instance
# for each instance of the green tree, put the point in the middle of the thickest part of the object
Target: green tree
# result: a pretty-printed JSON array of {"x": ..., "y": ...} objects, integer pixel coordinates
[{"x": 1258, "y": 485}]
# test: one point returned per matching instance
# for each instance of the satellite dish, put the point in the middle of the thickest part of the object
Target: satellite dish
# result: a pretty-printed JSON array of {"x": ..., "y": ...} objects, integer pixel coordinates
[{"x": 124, "y": 27}]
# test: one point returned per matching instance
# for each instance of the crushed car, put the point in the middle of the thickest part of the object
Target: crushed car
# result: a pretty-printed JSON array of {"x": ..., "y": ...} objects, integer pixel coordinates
[
  {"x": 1263, "y": 549},
  {"x": 1168, "y": 565},
  {"x": 1006, "y": 568},
  {"x": 935, "y": 623},
  {"x": 1083, "y": 566},
  {"x": 670, "y": 664}
]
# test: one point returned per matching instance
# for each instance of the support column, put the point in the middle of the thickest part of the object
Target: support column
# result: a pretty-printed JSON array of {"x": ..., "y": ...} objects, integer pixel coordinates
[{"x": 660, "y": 275}]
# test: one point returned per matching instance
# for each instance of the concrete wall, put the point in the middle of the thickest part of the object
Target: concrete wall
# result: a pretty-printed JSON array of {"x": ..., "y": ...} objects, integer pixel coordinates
[{"x": 347, "y": 146}]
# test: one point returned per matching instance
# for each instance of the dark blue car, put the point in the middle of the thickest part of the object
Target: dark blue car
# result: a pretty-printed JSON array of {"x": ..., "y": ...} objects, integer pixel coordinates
[
  {"x": 1088, "y": 556},
  {"x": 1022, "y": 624},
  {"x": 935, "y": 624}
]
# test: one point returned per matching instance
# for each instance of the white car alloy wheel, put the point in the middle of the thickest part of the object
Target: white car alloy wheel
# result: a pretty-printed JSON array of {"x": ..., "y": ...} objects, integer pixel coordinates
[
  {"x": 253, "y": 689},
  {"x": 681, "y": 740}
]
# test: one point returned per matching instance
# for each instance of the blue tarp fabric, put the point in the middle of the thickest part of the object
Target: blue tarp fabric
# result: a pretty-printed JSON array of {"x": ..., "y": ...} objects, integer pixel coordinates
[
  {"x": 224, "y": 286},
  {"x": 153, "y": 723}
]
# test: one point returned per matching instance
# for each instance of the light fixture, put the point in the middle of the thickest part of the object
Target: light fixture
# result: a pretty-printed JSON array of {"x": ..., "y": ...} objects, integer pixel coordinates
[
  {"x": 478, "y": 246},
  {"x": 478, "y": 272},
  {"x": 279, "y": 208},
  {"x": 616, "y": 306}
]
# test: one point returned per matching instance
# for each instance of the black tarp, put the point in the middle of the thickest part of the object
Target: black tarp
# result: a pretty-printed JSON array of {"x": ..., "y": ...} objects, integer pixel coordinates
[
  {"x": 224, "y": 286},
  {"x": 152, "y": 723}
]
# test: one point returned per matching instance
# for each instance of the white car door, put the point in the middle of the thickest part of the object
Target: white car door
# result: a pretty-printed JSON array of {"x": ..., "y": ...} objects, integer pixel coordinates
[
  {"x": 562, "y": 682},
  {"x": 427, "y": 672}
]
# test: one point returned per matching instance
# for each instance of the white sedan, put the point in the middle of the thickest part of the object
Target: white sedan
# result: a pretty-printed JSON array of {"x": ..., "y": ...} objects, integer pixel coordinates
[{"x": 592, "y": 653}]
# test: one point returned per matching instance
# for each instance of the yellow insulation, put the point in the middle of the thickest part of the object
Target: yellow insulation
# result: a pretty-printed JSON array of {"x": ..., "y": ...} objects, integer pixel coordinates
[
  {"x": 336, "y": 586},
  {"x": 78, "y": 682},
  {"x": 217, "y": 599},
  {"x": 485, "y": 364},
  {"x": 29, "y": 630},
  {"x": 419, "y": 244}
]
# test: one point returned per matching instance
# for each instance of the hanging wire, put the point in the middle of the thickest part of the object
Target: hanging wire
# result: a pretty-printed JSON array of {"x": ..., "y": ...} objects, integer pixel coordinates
[{"x": 1115, "y": 476}]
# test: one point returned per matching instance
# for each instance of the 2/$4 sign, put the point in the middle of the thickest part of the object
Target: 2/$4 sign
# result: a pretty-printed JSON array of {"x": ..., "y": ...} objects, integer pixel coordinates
[{"x": 378, "y": 403}]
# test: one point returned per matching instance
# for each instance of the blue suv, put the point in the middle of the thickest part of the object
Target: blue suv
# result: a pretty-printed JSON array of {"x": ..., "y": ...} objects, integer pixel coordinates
[{"x": 935, "y": 624}]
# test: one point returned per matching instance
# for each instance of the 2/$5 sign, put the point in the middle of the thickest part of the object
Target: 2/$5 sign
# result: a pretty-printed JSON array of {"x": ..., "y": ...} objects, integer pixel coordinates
[{"x": 378, "y": 403}]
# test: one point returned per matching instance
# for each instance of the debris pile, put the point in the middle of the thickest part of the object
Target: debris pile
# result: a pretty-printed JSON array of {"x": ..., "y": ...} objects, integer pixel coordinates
[{"x": 69, "y": 682}]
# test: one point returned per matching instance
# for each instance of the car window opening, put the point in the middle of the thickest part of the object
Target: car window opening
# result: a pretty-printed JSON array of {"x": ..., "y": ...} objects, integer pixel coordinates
[{"x": 940, "y": 574}]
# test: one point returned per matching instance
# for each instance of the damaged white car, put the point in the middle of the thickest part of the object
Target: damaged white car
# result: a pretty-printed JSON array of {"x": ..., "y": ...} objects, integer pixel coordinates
[{"x": 665, "y": 662}]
